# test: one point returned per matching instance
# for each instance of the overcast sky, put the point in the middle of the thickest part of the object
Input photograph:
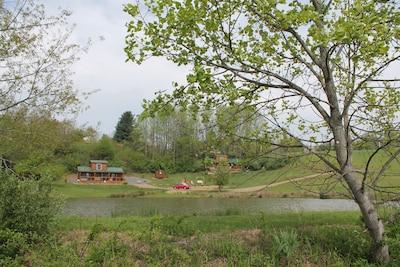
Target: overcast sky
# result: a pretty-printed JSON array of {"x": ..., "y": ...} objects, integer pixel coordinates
[{"x": 123, "y": 85}]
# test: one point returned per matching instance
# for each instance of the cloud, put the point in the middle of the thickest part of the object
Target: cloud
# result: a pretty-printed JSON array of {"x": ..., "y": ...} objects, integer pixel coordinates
[{"x": 122, "y": 85}]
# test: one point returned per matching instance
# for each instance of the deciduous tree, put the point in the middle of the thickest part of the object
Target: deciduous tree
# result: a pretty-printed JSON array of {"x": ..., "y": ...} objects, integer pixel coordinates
[
  {"x": 36, "y": 58},
  {"x": 28, "y": 207},
  {"x": 104, "y": 149},
  {"x": 321, "y": 71}
]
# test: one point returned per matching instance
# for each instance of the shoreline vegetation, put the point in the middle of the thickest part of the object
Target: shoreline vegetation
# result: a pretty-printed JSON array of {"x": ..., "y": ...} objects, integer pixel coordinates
[{"x": 229, "y": 238}]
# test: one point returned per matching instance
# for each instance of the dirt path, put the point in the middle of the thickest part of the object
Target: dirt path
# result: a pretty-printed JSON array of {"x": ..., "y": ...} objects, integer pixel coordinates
[
  {"x": 261, "y": 187},
  {"x": 236, "y": 190}
]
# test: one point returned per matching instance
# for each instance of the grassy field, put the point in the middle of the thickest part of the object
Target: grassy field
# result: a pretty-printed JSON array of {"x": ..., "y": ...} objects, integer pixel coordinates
[
  {"x": 230, "y": 238},
  {"x": 242, "y": 239},
  {"x": 217, "y": 223},
  {"x": 88, "y": 190},
  {"x": 305, "y": 166}
]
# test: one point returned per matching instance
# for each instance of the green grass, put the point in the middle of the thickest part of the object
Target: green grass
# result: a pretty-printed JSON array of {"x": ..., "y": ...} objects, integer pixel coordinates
[
  {"x": 236, "y": 180},
  {"x": 69, "y": 223},
  {"x": 305, "y": 166},
  {"x": 216, "y": 223},
  {"x": 249, "y": 179},
  {"x": 88, "y": 190},
  {"x": 243, "y": 239},
  {"x": 233, "y": 237}
]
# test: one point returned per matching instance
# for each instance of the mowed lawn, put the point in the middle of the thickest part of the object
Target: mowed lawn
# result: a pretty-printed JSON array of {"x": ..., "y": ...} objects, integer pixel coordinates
[{"x": 304, "y": 167}]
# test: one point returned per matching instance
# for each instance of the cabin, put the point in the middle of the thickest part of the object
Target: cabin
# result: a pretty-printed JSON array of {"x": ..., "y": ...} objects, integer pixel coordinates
[
  {"x": 99, "y": 172},
  {"x": 233, "y": 163}
]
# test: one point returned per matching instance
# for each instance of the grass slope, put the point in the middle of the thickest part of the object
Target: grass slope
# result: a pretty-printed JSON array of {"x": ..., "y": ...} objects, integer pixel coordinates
[{"x": 303, "y": 167}]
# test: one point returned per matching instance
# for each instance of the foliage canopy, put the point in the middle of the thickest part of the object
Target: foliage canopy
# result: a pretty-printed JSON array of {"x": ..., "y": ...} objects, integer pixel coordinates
[
  {"x": 36, "y": 57},
  {"x": 320, "y": 71}
]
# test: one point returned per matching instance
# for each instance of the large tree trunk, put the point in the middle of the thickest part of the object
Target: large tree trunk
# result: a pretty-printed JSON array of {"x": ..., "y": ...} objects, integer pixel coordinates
[
  {"x": 375, "y": 226},
  {"x": 361, "y": 194}
]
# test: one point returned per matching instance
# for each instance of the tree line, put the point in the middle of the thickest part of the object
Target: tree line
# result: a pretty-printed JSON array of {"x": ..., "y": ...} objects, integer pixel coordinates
[
  {"x": 269, "y": 79},
  {"x": 35, "y": 143},
  {"x": 178, "y": 142}
]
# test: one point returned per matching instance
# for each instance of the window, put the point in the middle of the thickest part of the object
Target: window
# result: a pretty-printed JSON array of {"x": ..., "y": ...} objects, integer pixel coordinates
[{"x": 98, "y": 167}]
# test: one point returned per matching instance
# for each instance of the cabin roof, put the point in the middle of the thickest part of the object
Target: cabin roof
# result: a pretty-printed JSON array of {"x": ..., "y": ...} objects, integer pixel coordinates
[
  {"x": 98, "y": 161},
  {"x": 109, "y": 169},
  {"x": 230, "y": 160}
]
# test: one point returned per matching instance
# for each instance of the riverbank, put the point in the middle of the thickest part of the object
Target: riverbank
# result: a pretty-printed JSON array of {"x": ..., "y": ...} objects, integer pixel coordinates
[
  {"x": 244, "y": 239},
  {"x": 232, "y": 237}
]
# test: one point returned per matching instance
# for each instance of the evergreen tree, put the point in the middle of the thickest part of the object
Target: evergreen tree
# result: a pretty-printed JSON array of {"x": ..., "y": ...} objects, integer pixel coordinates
[{"x": 124, "y": 128}]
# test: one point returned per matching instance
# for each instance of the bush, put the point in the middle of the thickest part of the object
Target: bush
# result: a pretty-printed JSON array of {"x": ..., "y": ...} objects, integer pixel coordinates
[
  {"x": 342, "y": 240},
  {"x": 267, "y": 163},
  {"x": 107, "y": 252},
  {"x": 11, "y": 245},
  {"x": 27, "y": 206},
  {"x": 393, "y": 239}
]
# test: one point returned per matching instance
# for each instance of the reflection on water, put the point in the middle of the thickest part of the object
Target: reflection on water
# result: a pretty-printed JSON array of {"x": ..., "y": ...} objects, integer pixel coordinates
[{"x": 180, "y": 206}]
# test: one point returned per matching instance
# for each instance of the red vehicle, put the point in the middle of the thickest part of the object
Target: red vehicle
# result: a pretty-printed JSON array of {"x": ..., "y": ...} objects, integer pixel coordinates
[{"x": 181, "y": 186}]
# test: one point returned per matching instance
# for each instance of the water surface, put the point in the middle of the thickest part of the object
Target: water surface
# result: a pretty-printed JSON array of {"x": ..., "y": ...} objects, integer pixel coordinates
[{"x": 201, "y": 206}]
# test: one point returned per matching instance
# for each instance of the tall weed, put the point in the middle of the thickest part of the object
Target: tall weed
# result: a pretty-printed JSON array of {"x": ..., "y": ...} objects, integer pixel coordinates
[
  {"x": 178, "y": 226},
  {"x": 349, "y": 242},
  {"x": 284, "y": 245}
]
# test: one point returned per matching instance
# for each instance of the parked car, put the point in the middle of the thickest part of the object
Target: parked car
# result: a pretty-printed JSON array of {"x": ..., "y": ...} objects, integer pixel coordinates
[{"x": 181, "y": 186}]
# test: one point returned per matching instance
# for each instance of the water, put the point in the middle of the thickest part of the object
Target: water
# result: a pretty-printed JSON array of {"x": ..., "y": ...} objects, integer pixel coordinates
[{"x": 92, "y": 207}]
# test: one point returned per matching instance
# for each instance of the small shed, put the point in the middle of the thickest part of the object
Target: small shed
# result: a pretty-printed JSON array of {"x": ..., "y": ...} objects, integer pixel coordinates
[{"x": 160, "y": 174}]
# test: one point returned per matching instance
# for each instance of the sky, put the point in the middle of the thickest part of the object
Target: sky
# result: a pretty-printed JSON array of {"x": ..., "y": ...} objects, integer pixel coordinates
[{"x": 122, "y": 85}]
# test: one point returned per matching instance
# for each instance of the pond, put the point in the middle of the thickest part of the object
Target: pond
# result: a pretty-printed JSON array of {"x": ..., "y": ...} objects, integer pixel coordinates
[{"x": 93, "y": 207}]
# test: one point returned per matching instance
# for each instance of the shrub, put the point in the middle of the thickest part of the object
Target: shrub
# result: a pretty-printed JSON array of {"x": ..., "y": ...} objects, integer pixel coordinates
[
  {"x": 11, "y": 245},
  {"x": 178, "y": 226},
  {"x": 27, "y": 206},
  {"x": 268, "y": 163},
  {"x": 393, "y": 239},
  {"x": 341, "y": 240},
  {"x": 107, "y": 252}
]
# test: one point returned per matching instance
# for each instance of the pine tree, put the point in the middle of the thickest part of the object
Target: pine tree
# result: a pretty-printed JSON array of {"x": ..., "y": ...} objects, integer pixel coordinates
[{"x": 124, "y": 128}]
